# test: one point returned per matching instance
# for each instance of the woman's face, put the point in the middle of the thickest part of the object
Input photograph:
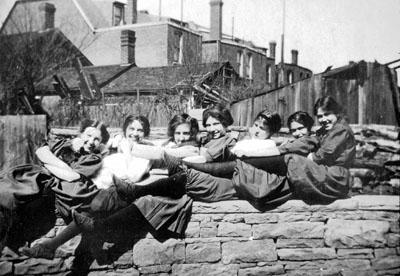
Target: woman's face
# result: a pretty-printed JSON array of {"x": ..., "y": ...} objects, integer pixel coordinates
[
  {"x": 259, "y": 131},
  {"x": 326, "y": 119},
  {"x": 91, "y": 137},
  {"x": 298, "y": 130},
  {"x": 134, "y": 132},
  {"x": 215, "y": 128},
  {"x": 182, "y": 134}
]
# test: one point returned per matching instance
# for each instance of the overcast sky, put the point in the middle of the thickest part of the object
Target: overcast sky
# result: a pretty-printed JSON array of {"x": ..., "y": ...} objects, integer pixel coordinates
[{"x": 325, "y": 32}]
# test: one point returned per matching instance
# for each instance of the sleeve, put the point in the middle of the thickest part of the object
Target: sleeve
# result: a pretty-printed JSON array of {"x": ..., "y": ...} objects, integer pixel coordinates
[
  {"x": 302, "y": 146},
  {"x": 331, "y": 147},
  {"x": 217, "y": 149},
  {"x": 87, "y": 165},
  {"x": 63, "y": 150}
]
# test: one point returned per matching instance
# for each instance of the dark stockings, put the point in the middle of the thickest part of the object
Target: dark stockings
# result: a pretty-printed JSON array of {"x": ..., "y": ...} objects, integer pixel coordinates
[
  {"x": 173, "y": 186},
  {"x": 220, "y": 169},
  {"x": 271, "y": 164}
]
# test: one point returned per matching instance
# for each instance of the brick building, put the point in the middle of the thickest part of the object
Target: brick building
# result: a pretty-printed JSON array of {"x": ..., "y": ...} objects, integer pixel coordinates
[{"x": 111, "y": 32}]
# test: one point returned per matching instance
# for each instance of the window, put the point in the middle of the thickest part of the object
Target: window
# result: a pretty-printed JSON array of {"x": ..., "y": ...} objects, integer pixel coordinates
[
  {"x": 178, "y": 45},
  {"x": 118, "y": 14},
  {"x": 268, "y": 74},
  {"x": 249, "y": 66},
  {"x": 240, "y": 62},
  {"x": 289, "y": 76}
]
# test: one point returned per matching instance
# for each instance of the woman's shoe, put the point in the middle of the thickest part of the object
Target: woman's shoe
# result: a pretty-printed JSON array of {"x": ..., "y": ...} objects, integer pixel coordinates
[
  {"x": 38, "y": 251},
  {"x": 125, "y": 190},
  {"x": 84, "y": 223}
]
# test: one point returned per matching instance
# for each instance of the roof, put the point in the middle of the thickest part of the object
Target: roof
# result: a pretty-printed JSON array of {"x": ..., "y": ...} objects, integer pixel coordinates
[{"x": 127, "y": 79}]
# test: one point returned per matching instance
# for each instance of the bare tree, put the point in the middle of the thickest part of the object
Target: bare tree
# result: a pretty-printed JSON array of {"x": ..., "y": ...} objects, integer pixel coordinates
[{"x": 27, "y": 55}]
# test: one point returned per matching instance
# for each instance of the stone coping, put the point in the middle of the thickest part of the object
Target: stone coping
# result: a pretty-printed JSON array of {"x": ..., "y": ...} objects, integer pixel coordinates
[{"x": 359, "y": 202}]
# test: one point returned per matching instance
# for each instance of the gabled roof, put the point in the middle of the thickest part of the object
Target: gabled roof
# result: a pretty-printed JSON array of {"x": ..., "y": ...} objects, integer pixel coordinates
[{"x": 118, "y": 79}]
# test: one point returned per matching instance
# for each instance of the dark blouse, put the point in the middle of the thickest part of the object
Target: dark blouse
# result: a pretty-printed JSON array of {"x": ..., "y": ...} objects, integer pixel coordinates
[
  {"x": 217, "y": 147},
  {"x": 337, "y": 147},
  {"x": 302, "y": 146}
]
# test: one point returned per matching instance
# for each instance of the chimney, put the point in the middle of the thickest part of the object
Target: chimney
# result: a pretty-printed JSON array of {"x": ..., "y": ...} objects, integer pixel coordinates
[
  {"x": 272, "y": 49},
  {"x": 127, "y": 46},
  {"x": 295, "y": 54},
  {"x": 131, "y": 12},
  {"x": 215, "y": 19},
  {"x": 46, "y": 11}
]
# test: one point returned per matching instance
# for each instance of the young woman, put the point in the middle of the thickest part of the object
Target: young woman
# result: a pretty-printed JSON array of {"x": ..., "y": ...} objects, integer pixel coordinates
[
  {"x": 182, "y": 142},
  {"x": 203, "y": 186},
  {"x": 71, "y": 164}
]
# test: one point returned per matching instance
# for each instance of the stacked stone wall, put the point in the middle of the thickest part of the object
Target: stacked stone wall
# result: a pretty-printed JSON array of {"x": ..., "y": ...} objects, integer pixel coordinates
[{"x": 356, "y": 236}]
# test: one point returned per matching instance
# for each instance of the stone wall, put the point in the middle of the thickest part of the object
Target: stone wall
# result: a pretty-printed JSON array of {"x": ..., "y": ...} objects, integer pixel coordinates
[{"x": 356, "y": 236}]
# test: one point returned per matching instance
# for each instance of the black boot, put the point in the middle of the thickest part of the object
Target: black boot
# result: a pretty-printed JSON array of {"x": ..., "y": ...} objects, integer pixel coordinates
[
  {"x": 125, "y": 189},
  {"x": 173, "y": 186}
]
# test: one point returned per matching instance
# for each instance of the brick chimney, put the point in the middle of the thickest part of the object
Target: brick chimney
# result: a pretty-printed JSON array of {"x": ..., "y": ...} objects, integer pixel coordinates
[
  {"x": 46, "y": 11},
  {"x": 272, "y": 49},
  {"x": 127, "y": 46},
  {"x": 216, "y": 19},
  {"x": 131, "y": 12},
  {"x": 295, "y": 54}
]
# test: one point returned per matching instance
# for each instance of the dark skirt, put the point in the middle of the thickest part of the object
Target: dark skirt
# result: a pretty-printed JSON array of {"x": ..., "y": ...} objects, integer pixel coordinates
[{"x": 166, "y": 213}]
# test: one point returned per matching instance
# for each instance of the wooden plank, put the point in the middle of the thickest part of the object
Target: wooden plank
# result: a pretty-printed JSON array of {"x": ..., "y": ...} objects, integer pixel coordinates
[{"x": 22, "y": 135}]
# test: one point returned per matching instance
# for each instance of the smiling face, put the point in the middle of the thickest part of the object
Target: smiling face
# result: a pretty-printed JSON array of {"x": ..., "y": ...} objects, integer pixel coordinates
[
  {"x": 91, "y": 137},
  {"x": 260, "y": 131},
  {"x": 134, "y": 132},
  {"x": 298, "y": 130},
  {"x": 215, "y": 128},
  {"x": 182, "y": 134},
  {"x": 326, "y": 119}
]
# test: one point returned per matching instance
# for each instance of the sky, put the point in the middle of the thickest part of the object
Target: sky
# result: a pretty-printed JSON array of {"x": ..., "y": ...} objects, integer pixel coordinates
[{"x": 325, "y": 32}]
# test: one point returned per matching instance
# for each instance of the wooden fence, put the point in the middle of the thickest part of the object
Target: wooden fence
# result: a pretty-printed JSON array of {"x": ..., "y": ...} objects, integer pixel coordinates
[
  {"x": 69, "y": 113},
  {"x": 366, "y": 98},
  {"x": 19, "y": 138}
]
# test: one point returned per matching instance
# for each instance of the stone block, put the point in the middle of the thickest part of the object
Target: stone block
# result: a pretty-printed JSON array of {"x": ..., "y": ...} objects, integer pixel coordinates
[
  {"x": 395, "y": 272},
  {"x": 388, "y": 262},
  {"x": 393, "y": 240},
  {"x": 292, "y": 217},
  {"x": 356, "y": 234},
  {"x": 261, "y": 271},
  {"x": 153, "y": 252},
  {"x": 117, "y": 272},
  {"x": 305, "y": 254},
  {"x": 228, "y": 206},
  {"x": 39, "y": 266},
  {"x": 234, "y": 218},
  {"x": 6, "y": 267},
  {"x": 203, "y": 252},
  {"x": 192, "y": 230},
  {"x": 261, "y": 218},
  {"x": 200, "y": 217},
  {"x": 226, "y": 229},
  {"x": 338, "y": 205},
  {"x": 208, "y": 232},
  {"x": 364, "y": 253},
  {"x": 153, "y": 269},
  {"x": 383, "y": 252},
  {"x": 249, "y": 251},
  {"x": 124, "y": 261},
  {"x": 292, "y": 230},
  {"x": 205, "y": 269},
  {"x": 395, "y": 226},
  {"x": 375, "y": 202},
  {"x": 330, "y": 265},
  {"x": 299, "y": 243}
]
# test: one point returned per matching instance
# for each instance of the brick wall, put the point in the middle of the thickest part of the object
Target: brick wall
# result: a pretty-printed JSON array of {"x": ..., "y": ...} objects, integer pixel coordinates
[{"x": 356, "y": 236}]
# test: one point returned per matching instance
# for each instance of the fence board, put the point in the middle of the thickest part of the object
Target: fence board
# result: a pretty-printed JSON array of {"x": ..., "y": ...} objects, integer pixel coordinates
[
  {"x": 19, "y": 138},
  {"x": 365, "y": 100}
]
